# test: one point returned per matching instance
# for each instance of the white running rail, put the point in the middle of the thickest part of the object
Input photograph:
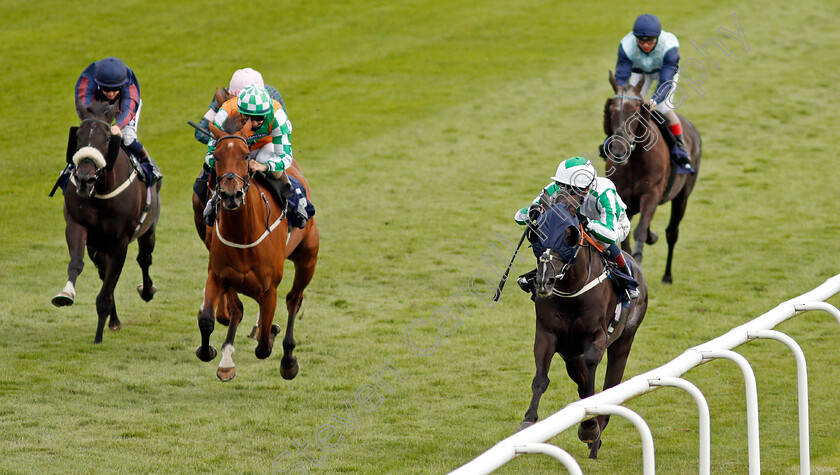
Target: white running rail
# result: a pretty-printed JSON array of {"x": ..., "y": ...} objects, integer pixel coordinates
[{"x": 532, "y": 439}]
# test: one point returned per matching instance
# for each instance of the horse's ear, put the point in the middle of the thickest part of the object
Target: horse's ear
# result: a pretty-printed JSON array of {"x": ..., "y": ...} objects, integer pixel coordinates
[
  {"x": 113, "y": 151},
  {"x": 637, "y": 89},
  {"x": 572, "y": 236},
  {"x": 71, "y": 144},
  {"x": 245, "y": 131},
  {"x": 608, "y": 117},
  {"x": 217, "y": 132},
  {"x": 80, "y": 108},
  {"x": 613, "y": 82},
  {"x": 223, "y": 95},
  {"x": 110, "y": 112}
]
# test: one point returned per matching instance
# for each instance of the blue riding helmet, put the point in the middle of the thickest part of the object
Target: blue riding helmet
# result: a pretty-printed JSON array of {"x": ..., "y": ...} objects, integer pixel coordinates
[
  {"x": 647, "y": 25},
  {"x": 111, "y": 72}
]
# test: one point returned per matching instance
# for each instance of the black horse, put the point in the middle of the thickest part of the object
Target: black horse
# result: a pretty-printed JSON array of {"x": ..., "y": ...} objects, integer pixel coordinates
[
  {"x": 575, "y": 306},
  {"x": 106, "y": 206},
  {"x": 639, "y": 164}
]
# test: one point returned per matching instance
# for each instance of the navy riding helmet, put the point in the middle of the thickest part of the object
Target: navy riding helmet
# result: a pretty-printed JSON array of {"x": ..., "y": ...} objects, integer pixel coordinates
[
  {"x": 111, "y": 72},
  {"x": 647, "y": 25}
]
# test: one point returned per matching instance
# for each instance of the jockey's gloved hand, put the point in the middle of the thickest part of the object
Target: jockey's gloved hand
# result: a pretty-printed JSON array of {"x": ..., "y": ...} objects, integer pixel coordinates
[{"x": 534, "y": 212}]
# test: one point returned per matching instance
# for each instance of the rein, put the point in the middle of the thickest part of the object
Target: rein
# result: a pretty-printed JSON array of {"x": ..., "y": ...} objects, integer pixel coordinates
[
  {"x": 587, "y": 241},
  {"x": 99, "y": 170},
  {"x": 246, "y": 183}
]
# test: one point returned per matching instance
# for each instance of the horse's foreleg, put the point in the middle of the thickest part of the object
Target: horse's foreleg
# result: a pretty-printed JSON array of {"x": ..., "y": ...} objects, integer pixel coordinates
[
  {"x": 672, "y": 232},
  {"x": 75, "y": 235},
  {"x": 585, "y": 368},
  {"x": 146, "y": 245},
  {"x": 105, "y": 306},
  {"x": 265, "y": 342},
  {"x": 227, "y": 370},
  {"x": 206, "y": 321},
  {"x": 642, "y": 232},
  {"x": 544, "y": 348}
]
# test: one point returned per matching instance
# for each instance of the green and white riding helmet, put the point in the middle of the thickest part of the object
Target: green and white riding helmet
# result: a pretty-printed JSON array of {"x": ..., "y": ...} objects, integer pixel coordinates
[
  {"x": 575, "y": 174},
  {"x": 254, "y": 100}
]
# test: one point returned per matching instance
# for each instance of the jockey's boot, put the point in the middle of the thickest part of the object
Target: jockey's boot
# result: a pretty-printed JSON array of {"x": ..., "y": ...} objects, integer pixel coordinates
[
  {"x": 628, "y": 283},
  {"x": 286, "y": 189},
  {"x": 630, "y": 286},
  {"x": 148, "y": 165},
  {"x": 211, "y": 209},
  {"x": 681, "y": 155}
]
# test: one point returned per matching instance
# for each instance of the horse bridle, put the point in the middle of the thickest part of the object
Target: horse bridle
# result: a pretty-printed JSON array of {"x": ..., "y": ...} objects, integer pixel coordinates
[
  {"x": 620, "y": 131},
  {"x": 246, "y": 182},
  {"x": 107, "y": 125}
]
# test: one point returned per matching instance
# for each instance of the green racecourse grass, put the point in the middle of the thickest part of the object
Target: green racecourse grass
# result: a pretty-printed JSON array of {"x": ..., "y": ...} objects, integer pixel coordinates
[{"x": 421, "y": 126}]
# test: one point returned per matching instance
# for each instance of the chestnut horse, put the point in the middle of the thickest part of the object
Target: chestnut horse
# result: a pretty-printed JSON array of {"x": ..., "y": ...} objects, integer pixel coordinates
[
  {"x": 248, "y": 246},
  {"x": 575, "y": 304},
  {"x": 106, "y": 206},
  {"x": 639, "y": 163}
]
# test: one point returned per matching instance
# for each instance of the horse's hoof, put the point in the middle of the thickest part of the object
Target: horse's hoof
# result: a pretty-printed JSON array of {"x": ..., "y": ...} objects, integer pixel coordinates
[
  {"x": 255, "y": 333},
  {"x": 667, "y": 279},
  {"x": 226, "y": 374},
  {"x": 589, "y": 434},
  {"x": 143, "y": 296},
  {"x": 593, "y": 449},
  {"x": 652, "y": 237},
  {"x": 524, "y": 425},
  {"x": 211, "y": 353},
  {"x": 63, "y": 299},
  {"x": 290, "y": 372}
]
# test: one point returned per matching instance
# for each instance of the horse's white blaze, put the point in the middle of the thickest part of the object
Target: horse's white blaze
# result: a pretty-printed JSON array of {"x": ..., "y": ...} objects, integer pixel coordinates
[
  {"x": 69, "y": 289},
  {"x": 227, "y": 360}
]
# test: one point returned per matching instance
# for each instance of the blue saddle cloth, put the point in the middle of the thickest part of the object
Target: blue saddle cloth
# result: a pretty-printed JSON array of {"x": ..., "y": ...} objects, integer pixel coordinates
[{"x": 300, "y": 208}]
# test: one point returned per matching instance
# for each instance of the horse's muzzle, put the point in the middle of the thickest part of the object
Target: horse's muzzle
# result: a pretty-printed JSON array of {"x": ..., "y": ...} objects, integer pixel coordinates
[{"x": 232, "y": 201}]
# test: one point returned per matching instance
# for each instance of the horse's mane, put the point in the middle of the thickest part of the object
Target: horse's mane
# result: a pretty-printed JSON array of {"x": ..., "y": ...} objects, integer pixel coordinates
[{"x": 607, "y": 122}]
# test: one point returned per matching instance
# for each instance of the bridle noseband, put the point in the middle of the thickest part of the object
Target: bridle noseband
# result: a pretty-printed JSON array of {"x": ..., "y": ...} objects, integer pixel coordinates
[{"x": 246, "y": 182}]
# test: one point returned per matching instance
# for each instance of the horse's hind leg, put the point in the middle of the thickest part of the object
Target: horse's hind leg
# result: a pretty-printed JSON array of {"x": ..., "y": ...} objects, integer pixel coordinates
[
  {"x": 544, "y": 345},
  {"x": 673, "y": 230},
  {"x": 146, "y": 245},
  {"x": 75, "y": 235},
  {"x": 305, "y": 258},
  {"x": 227, "y": 370}
]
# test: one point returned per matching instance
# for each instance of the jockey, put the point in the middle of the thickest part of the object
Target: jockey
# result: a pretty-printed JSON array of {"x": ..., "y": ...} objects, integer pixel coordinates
[
  {"x": 598, "y": 202},
  {"x": 241, "y": 79},
  {"x": 110, "y": 80},
  {"x": 647, "y": 54},
  {"x": 271, "y": 149}
]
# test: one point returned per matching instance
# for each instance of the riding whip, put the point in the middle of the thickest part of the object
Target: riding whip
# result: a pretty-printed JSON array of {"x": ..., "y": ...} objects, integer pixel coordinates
[{"x": 507, "y": 271}]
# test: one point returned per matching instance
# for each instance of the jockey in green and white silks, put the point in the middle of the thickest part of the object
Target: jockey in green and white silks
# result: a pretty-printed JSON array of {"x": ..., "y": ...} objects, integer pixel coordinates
[{"x": 598, "y": 201}]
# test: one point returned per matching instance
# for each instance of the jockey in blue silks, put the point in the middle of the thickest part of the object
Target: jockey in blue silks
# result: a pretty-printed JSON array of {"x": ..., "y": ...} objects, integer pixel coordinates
[{"x": 647, "y": 54}]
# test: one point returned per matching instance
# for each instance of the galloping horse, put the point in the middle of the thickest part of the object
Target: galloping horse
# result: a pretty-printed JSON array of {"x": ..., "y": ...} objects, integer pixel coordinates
[
  {"x": 575, "y": 306},
  {"x": 248, "y": 247},
  {"x": 105, "y": 209},
  {"x": 639, "y": 164}
]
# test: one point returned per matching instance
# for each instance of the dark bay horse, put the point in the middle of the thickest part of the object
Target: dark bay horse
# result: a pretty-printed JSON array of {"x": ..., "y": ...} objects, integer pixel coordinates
[
  {"x": 249, "y": 245},
  {"x": 575, "y": 304},
  {"x": 638, "y": 162},
  {"x": 106, "y": 206}
]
